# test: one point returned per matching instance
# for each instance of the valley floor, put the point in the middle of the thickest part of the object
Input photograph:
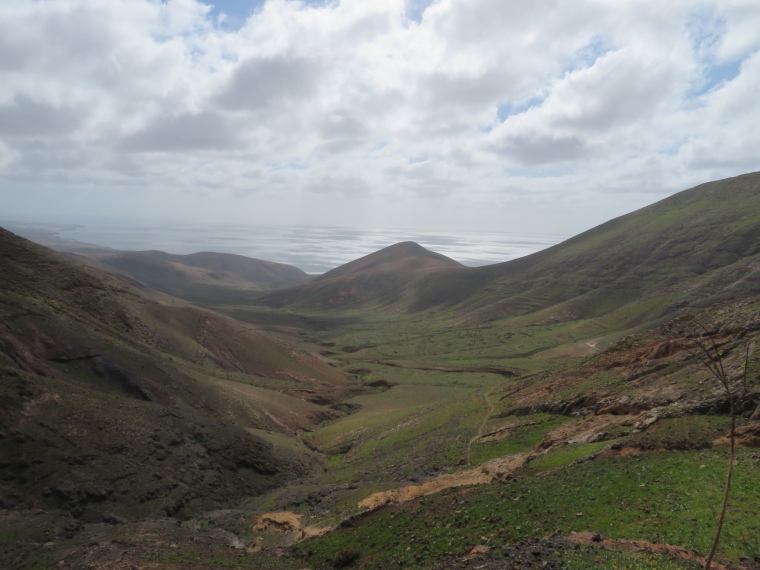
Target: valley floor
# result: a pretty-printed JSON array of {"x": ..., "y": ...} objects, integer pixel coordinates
[{"x": 467, "y": 458}]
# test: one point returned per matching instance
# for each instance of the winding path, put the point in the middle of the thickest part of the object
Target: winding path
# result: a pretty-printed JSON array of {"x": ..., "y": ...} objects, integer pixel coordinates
[{"x": 481, "y": 429}]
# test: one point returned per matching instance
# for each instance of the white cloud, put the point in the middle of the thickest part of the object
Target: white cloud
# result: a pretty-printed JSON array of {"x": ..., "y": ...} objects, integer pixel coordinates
[
  {"x": 450, "y": 107},
  {"x": 25, "y": 117},
  {"x": 263, "y": 83},
  {"x": 206, "y": 130}
]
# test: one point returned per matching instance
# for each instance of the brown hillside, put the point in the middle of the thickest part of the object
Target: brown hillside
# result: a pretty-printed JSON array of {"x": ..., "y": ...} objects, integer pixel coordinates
[
  {"x": 198, "y": 277},
  {"x": 116, "y": 401},
  {"x": 381, "y": 278},
  {"x": 405, "y": 256}
]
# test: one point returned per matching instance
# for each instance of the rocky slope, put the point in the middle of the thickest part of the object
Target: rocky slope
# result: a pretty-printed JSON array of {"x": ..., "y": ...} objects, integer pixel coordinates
[{"x": 119, "y": 403}]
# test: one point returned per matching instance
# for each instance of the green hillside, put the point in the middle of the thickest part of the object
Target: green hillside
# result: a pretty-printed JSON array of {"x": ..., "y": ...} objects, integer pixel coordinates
[
  {"x": 692, "y": 249},
  {"x": 401, "y": 411},
  {"x": 376, "y": 281},
  {"x": 696, "y": 247}
]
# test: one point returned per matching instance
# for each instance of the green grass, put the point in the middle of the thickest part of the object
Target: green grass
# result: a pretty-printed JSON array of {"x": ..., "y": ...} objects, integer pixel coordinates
[
  {"x": 664, "y": 498},
  {"x": 388, "y": 443},
  {"x": 610, "y": 560},
  {"x": 689, "y": 432},
  {"x": 563, "y": 456},
  {"x": 529, "y": 432},
  {"x": 19, "y": 536}
]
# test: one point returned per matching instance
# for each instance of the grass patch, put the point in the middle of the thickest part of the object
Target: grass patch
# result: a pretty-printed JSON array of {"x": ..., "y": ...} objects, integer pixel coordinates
[
  {"x": 521, "y": 439},
  {"x": 564, "y": 456},
  {"x": 611, "y": 560},
  {"x": 664, "y": 498},
  {"x": 688, "y": 432}
]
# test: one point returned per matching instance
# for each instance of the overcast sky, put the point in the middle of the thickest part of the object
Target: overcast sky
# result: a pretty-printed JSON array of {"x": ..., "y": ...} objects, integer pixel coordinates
[{"x": 507, "y": 115}]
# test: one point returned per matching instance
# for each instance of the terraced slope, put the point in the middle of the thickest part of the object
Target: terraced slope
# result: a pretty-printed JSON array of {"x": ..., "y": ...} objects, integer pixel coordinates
[{"x": 628, "y": 445}]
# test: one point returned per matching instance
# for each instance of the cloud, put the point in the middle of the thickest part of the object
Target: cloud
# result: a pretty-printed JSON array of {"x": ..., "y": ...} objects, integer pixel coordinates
[
  {"x": 538, "y": 149},
  {"x": 25, "y": 117},
  {"x": 259, "y": 83},
  {"x": 342, "y": 125},
  {"x": 347, "y": 186},
  {"x": 206, "y": 130},
  {"x": 529, "y": 103},
  {"x": 340, "y": 133}
]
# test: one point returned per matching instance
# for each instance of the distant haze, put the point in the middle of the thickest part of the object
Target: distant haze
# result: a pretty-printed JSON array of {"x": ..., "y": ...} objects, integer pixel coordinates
[
  {"x": 444, "y": 116},
  {"x": 313, "y": 249}
]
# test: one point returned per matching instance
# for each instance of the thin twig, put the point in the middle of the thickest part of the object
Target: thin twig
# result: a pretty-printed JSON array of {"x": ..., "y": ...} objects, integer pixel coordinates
[{"x": 712, "y": 358}]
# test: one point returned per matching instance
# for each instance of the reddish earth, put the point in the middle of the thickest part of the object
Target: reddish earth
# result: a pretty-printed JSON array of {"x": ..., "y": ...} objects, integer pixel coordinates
[{"x": 596, "y": 539}]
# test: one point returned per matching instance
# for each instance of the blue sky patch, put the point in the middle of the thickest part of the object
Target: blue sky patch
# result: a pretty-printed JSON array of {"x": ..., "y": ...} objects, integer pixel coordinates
[
  {"x": 237, "y": 11},
  {"x": 722, "y": 73},
  {"x": 416, "y": 8},
  {"x": 509, "y": 109},
  {"x": 706, "y": 33},
  {"x": 588, "y": 55},
  {"x": 715, "y": 75}
]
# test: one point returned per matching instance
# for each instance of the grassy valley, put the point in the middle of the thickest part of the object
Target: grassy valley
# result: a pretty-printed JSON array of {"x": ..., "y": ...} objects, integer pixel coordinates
[{"x": 401, "y": 411}]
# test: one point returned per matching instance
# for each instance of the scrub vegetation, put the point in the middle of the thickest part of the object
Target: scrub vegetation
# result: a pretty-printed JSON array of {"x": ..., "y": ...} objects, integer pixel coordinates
[{"x": 401, "y": 411}]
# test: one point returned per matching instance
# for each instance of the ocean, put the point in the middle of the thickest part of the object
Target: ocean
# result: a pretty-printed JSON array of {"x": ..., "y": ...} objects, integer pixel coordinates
[{"x": 311, "y": 248}]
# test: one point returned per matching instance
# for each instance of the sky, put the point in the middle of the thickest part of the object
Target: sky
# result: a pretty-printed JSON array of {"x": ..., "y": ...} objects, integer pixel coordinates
[{"x": 495, "y": 115}]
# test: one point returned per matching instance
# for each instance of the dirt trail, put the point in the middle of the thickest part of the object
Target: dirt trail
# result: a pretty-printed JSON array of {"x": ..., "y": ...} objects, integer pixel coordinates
[
  {"x": 494, "y": 470},
  {"x": 287, "y": 522},
  {"x": 481, "y": 429},
  {"x": 596, "y": 539},
  {"x": 592, "y": 344},
  {"x": 581, "y": 431}
]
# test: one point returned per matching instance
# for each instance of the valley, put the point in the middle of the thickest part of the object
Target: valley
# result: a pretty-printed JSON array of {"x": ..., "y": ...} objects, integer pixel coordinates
[{"x": 400, "y": 411}]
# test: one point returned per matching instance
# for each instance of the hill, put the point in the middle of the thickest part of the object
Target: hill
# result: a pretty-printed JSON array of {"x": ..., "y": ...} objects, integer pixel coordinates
[
  {"x": 381, "y": 279},
  {"x": 119, "y": 403},
  {"x": 692, "y": 249},
  {"x": 549, "y": 412},
  {"x": 705, "y": 238},
  {"x": 407, "y": 257},
  {"x": 203, "y": 277}
]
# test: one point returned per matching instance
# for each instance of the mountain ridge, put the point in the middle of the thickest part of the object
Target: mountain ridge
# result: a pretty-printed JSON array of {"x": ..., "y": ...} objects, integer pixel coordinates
[
  {"x": 198, "y": 277},
  {"x": 715, "y": 244},
  {"x": 499, "y": 391}
]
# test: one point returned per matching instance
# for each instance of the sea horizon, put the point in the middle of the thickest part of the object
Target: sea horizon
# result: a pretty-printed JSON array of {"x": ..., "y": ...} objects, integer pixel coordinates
[{"x": 314, "y": 249}]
